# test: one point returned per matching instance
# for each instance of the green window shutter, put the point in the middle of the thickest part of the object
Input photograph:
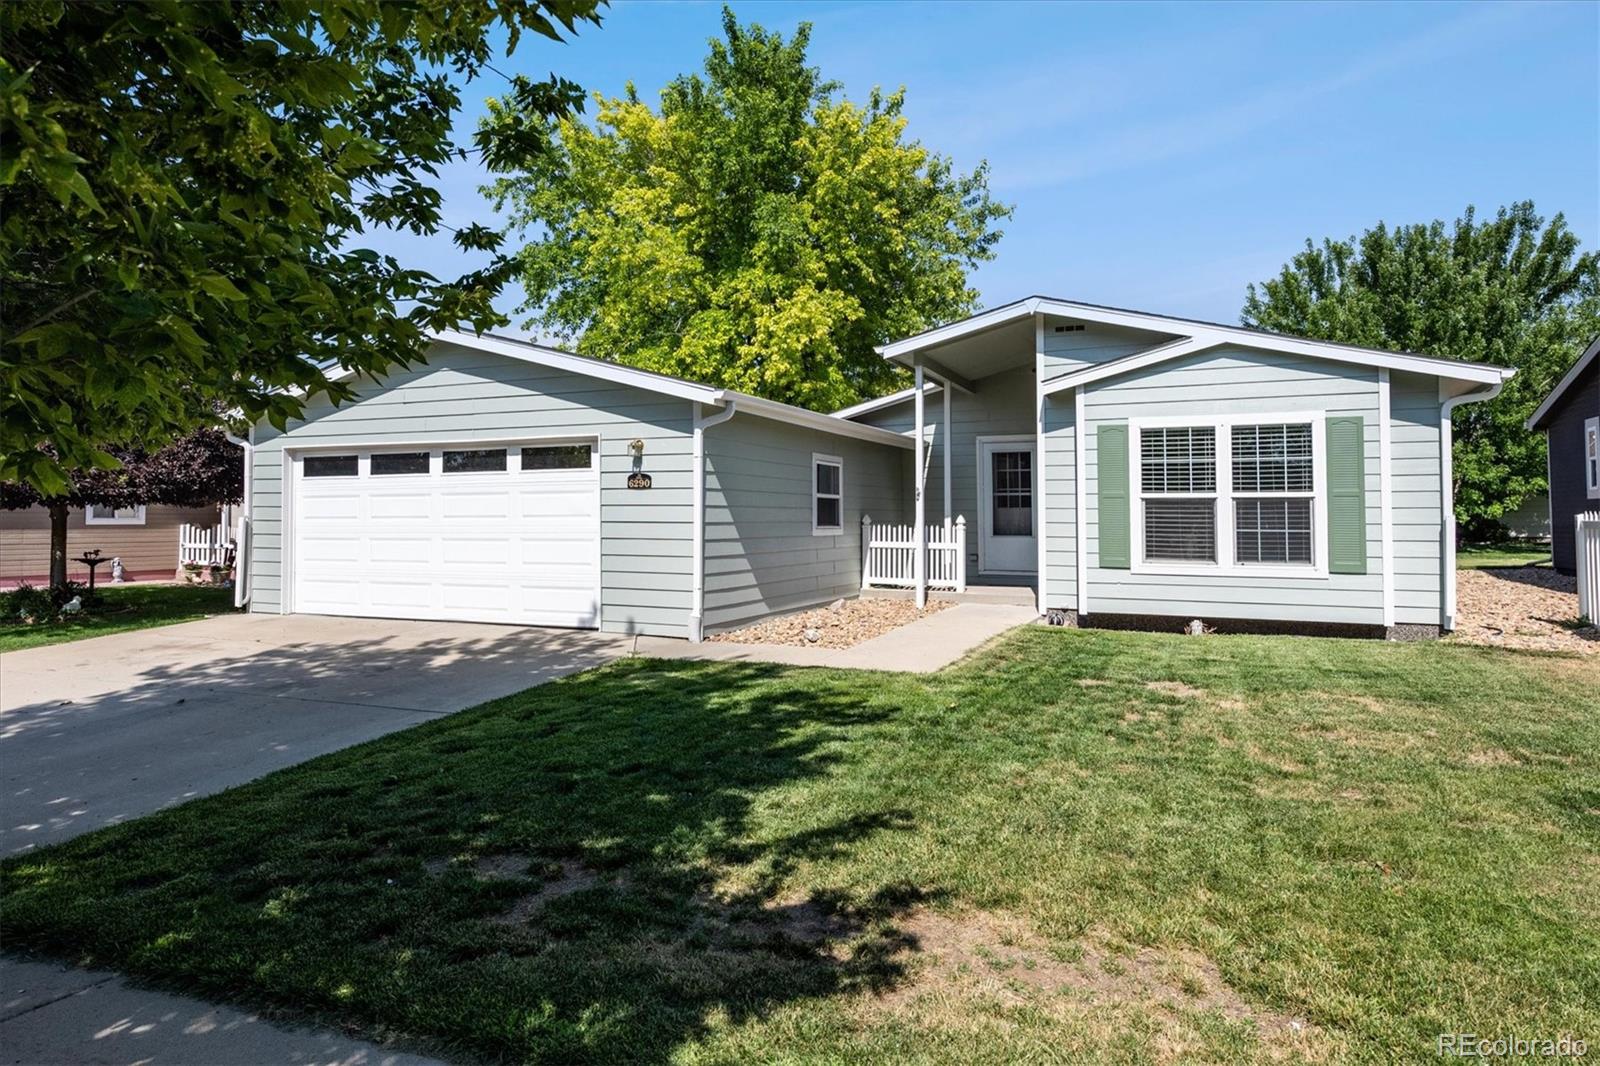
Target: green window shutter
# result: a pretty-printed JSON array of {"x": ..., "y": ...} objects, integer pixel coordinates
[
  {"x": 1112, "y": 477},
  {"x": 1347, "y": 496}
]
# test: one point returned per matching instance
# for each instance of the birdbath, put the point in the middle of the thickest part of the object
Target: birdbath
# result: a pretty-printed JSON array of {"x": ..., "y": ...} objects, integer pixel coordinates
[{"x": 92, "y": 559}]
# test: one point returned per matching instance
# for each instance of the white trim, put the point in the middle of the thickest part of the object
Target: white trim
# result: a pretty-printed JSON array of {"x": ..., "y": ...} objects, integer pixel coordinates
[
  {"x": 1248, "y": 338},
  {"x": 1080, "y": 492},
  {"x": 944, "y": 453},
  {"x": 1129, "y": 363},
  {"x": 697, "y": 594},
  {"x": 866, "y": 407},
  {"x": 1386, "y": 495},
  {"x": 1040, "y": 451},
  {"x": 1224, "y": 496},
  {"x": 919, "y": 562},
  {"x": 617, "y": 373},
  {"x": 114, "y": 519},
  {"x": 818, "y": 459},
  {"x": 1564, "y": 384},
  {"x": 1447, "y": 496},
  {"x": 985, "y": 488},
  {"x": 1591, "y": 439}
]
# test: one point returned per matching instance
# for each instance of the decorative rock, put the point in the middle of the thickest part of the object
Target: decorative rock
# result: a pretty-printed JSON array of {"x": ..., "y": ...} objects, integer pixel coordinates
[
  {"x": 813, "y": 635},
  {"x": 837, "y": 605}
]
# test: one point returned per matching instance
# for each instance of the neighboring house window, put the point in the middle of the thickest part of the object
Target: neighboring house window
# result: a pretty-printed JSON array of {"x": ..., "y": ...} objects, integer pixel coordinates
[
  {"x": 827, "y": 504},
  {"x": 99, "y": 515},
  {"x": 1178, "y": 484},
  {"x": 1257, "y": 482},
  {"x": 1591, "y": 457}
]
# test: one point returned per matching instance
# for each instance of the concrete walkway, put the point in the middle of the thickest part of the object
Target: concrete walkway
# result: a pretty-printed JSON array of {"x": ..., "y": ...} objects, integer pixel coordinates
[
  {"x": 53, "y": 1015},
  {"x": 924, "y": 646}
]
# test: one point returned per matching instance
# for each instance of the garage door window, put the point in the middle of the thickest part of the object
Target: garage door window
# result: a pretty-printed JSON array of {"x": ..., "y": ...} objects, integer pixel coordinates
[
  {"x": 557, "y": 457},
  {"x": 477, "y": 461},
  {"x": 386, "y": 463},
  {"x": 330, "y": 466}
]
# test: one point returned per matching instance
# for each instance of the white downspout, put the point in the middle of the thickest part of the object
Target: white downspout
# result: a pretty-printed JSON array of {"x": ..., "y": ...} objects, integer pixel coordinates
[
  {"x": 697, "y": 605},
  {"x": 242, "y": 570},
  {"x": 1447, "y": 492}
]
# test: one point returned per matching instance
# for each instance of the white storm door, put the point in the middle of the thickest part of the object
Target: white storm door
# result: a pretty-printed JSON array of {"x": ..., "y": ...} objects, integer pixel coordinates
[{"x": 1007, "y": 525}]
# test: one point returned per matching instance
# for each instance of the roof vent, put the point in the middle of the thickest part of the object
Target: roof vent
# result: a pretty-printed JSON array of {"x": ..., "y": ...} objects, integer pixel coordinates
[{"x": 1076, "y": 327}]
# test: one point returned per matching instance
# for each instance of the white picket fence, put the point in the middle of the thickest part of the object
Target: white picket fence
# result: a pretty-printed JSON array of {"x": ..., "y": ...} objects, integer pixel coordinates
[
  {"x": 1587, "y": 543},
  {"x": 889, "y": 552},
  {"x": 202, "y": 546}
]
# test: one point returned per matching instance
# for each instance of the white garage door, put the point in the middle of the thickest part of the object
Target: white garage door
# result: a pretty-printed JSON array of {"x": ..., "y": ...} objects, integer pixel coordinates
[{"x": 471, "y": 533}]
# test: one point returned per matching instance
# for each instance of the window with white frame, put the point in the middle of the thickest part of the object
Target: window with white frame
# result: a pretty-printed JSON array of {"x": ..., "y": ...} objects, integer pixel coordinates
[
  {"x": 827, "y": 485},
  {"x": 1255, "y": 480},
  {"x": 99, "y": 515},
  {"x": 1591, "y": 457}
]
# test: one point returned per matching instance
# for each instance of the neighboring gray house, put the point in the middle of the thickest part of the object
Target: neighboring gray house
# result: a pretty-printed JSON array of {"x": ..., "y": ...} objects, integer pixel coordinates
[
  {"x": 1124, "y": 465},
  {"x": 1570, "y": 419}
]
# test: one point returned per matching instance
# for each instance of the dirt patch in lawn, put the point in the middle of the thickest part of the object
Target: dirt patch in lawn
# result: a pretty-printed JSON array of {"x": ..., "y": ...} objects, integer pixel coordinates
[
  {"x": 1175, "y": 688},
  {"x": 570, "y": 877},
  {"x": 1530, "y": 607},
  {"x": 997, "y": 957},
  {"x": 841, "y": 624}
]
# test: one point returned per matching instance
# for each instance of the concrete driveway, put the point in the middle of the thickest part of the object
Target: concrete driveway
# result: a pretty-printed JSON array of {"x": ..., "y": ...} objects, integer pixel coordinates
[{"x": 99, "y": 731}]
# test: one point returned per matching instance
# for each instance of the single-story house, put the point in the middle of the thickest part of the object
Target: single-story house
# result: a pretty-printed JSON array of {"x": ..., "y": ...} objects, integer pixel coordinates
[
  {"x": 144, "y": 537},
  {"x": 1570, "y": 419},
  {"x": 1122, "y": 465}
]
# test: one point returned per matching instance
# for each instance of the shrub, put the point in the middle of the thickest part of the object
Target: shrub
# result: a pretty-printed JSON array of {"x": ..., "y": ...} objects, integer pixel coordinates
[{"x": 28, "y": 603}]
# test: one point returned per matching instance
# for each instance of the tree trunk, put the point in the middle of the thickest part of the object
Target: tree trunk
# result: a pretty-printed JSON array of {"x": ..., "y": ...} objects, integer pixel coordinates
[{"x": 58, "y": 544}]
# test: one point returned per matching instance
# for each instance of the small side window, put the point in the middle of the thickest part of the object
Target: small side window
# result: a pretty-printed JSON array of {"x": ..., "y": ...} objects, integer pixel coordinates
[
  {"x": 97, "y": 514},
  {"x": 329, "y": 466},
  {"x": 476, "y": 461},
  {"x": 827, "y": 510}
]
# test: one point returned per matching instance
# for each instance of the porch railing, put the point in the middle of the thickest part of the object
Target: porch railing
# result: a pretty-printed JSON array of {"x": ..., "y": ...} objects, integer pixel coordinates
[
  {"x": 889, "y": 551},
  {"x": 202, "y": 546},
  {"x": 1587, "y": 543}
]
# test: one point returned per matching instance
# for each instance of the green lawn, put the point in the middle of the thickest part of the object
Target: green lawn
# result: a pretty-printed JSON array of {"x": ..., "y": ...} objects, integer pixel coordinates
[
  {"x": 1078, "y": 845},
  {"x": 123, "y": 608},
  {"x": 1502, "y": 553}
]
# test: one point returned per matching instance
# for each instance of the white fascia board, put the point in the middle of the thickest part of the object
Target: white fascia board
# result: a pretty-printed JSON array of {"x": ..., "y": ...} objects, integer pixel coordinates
[
  {"x": 1564, "y": 384},
  {"x": 866, "y": 407},
  {"x": 579, "y": 364},
  {"x": 799, "y": 416},
  {"x": 955, "y": 330},
  {"x": 1249, "y": 338}
]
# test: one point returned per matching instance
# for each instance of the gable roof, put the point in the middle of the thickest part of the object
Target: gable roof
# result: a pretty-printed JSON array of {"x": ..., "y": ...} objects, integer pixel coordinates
[
  {"x": 866, "y": 407},
  {"x": 1205, "y": 334},
  {"x": 1566, "y": 382},
  {"x": 664, "y": 384}
]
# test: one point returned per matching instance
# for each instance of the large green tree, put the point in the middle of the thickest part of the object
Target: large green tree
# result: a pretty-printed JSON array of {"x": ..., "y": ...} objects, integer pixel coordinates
[
  {"x": 1511, "y": 290},
  {"x": 183, "y": 193},
  {"x": 754, "y": 231}
]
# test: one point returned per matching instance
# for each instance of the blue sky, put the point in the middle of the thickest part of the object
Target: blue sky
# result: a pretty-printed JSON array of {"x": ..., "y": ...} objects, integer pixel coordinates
[{"x": 1158, "y": 156}]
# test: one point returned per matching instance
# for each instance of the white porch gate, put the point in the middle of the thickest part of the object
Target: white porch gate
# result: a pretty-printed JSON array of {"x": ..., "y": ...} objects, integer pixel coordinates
[
  {"x": 889, "y": 552},
  {"x": 200, "y": 546}
]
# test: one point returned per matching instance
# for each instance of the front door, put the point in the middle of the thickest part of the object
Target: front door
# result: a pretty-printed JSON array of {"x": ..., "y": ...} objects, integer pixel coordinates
[{"x": 1007, "y": 534}]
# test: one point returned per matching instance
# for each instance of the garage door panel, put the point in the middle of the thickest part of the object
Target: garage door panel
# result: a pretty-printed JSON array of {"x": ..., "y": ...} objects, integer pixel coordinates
[{"x": 516, "y": 546}]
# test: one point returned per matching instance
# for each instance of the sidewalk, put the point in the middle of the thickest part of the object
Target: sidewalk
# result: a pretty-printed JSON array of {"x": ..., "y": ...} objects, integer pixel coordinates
[
  {"x": 52, "y": 1014},
  {"x": 924, "y": 646}
]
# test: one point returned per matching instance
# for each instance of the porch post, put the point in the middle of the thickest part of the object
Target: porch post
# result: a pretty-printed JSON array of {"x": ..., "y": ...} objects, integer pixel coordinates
[
  {"x": 944, "y": 450},
  {"x": 919, "y": 562}
]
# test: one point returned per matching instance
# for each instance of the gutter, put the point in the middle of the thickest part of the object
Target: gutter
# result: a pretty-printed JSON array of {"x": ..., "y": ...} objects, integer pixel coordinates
[
  {"x": 697, "y": 603},
  {"x": 1447, "y": 492},
  {"x": 241, "y": 537}
]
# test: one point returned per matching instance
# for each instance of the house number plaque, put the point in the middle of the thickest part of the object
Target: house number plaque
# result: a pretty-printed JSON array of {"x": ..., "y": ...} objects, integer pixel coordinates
[{"x": 638, "y": 480}]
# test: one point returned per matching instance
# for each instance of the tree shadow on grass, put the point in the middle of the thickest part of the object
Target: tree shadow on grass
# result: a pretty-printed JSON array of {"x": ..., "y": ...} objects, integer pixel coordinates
[{"x": 598, "y": 869}]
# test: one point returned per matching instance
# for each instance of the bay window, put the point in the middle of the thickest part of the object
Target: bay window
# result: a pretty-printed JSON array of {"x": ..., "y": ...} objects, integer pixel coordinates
[{"x": 1235, "y": 494}]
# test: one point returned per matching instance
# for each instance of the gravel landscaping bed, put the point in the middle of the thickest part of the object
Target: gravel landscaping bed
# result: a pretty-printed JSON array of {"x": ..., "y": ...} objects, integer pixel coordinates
[
  {"x": 1526, "y": 607},
  {"x": 841, "y": 624}
]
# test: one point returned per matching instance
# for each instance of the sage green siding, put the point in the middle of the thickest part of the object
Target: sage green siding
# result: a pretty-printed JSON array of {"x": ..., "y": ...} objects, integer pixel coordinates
[
  {"x": 761, "y": 553},
  {"x": 1229, "y": 382},
  {"x": 1093, "y": 344},
  {"x": 465, "y": 395},
  {"x": 1060, "y": 503},
  {"x": 1416, "y": 506}
]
